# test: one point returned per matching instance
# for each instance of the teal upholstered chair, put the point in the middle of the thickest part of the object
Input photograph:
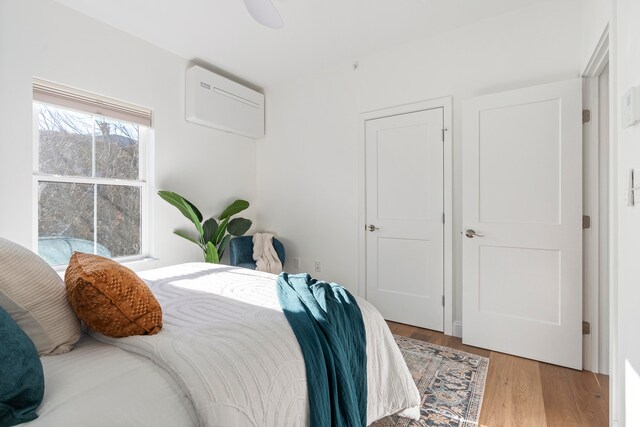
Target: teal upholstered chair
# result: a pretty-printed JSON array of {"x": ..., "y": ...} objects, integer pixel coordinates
[{"x": 241, "y": 251}]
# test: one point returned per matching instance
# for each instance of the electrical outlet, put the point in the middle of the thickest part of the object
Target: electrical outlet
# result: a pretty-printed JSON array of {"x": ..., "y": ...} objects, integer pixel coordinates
[
  {"x": 296, "y": 262},
  {"x": 318, "y": 267}
]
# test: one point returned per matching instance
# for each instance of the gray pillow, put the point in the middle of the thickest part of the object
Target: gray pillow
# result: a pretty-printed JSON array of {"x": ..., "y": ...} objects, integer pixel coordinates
[{"x": 35, "y": 297}]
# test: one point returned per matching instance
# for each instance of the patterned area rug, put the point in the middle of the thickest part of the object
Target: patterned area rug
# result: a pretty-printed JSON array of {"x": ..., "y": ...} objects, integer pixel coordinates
[{"x": 451, "y": 382}]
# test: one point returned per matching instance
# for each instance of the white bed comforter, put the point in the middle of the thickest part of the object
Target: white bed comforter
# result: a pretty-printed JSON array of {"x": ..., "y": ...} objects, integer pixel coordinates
[
  {"x": 99, "y": 385},
  {"x": 226, "y": 342}
]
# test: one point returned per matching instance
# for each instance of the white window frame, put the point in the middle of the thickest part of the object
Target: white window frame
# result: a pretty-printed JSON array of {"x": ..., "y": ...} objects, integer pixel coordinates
[{"x": 141, "y": 261}]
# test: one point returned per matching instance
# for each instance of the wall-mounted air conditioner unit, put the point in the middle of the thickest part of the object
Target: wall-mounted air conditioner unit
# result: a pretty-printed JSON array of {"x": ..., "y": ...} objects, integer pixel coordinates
[{"x": 220, "y": 103}]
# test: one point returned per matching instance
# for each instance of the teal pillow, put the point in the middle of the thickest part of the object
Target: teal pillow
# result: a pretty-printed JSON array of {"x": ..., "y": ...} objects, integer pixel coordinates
[{"x": 22, "y": 378}]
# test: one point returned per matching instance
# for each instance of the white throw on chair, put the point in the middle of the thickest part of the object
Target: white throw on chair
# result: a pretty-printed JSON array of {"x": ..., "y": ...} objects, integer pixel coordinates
[{"x": 264, "y": 253}]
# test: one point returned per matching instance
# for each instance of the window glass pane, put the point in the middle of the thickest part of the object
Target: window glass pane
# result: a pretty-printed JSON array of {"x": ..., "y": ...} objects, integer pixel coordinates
[
  {"x": 117, "y": 149},
  {"x": 65, "y": 143},
  {"x": 65, "y": 220},
  {"x": 92, "y": 218},
  {"x": 119, "y": 219}
]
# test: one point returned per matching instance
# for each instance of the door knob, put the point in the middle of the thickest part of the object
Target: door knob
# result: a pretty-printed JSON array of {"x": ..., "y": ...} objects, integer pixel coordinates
[
  {"x": 372, "y": 228},
  {"x": 470, "y": 233}
]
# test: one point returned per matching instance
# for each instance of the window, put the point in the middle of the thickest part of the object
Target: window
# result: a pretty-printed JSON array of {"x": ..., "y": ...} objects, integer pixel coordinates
[{"x": 90, "y": 176}]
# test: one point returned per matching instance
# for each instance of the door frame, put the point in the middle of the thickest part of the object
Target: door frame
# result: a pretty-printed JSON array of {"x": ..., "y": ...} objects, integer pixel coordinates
[
  {"x": 446, "y": 104},
  {"x": 591, "y": 181}
]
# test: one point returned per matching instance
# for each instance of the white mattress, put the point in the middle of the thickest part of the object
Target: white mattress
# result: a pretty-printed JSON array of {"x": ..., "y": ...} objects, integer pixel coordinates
[{"x": 99, "y": 385}]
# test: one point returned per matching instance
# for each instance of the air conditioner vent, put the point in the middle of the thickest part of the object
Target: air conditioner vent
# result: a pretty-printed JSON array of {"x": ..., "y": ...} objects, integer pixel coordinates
[{"x": 217, "y": 102}]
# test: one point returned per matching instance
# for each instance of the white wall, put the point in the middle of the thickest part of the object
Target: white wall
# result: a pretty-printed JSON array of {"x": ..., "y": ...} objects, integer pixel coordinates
[
  {"x": 595, "y": 16},
  {"x": 44, "y": 39},
  {"x": 307, "y": 177},
  {"x": 626, "y": 317}
]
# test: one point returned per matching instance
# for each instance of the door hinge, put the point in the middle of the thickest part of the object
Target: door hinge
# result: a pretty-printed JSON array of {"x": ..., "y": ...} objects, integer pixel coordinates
[
  {"x": 586, "y": 328},
  {"x": 443, "y": 132},
  {"x": 443, "y": 217},
  {"x": 586, "y": 116},
  {"x": 586, "y": 222},
  {"x": 443, "y": 300}
]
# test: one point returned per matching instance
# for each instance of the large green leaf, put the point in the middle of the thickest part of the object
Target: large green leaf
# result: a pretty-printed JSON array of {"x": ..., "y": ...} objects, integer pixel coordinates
[
  {"x": 234, "y": 208},
  {"x": 185, "y": 235},
  {"x": 211, "y": 254},
  {"x": 221, "y": 231},
  {"x": 194, "y": 219},
  {"x": 176, "y": 200},
  {"x": 195, "y": 210},
  {"x": 185, "y": 207},
  {"x": 223, "y": 245},
  {"x": 210, "y": 227},
  {"x": 239, "y": 226}
]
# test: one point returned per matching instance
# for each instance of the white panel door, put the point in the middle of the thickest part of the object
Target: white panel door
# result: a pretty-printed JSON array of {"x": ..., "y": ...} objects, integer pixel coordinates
[
  {"x": 522, "y": 195},
  {"x": 404, "y": 213}
]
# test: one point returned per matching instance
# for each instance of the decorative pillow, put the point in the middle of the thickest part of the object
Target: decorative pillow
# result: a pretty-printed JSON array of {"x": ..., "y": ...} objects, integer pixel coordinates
[
  {"x": 21, "y": 376},
  {"x": 110, "y": 298},
  {"x": 34, "y": 296}
]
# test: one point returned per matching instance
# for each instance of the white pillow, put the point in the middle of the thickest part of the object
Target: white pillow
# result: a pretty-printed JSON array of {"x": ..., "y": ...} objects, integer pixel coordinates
[{"x": 36, "y": 298}]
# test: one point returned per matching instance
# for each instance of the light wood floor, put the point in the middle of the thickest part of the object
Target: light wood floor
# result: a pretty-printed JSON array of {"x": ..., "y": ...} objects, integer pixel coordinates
[{"x": 522, "y": 392}]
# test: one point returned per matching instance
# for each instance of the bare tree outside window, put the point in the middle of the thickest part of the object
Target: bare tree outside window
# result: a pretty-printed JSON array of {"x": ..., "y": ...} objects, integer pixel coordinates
[{"x": 89, "y": 185}]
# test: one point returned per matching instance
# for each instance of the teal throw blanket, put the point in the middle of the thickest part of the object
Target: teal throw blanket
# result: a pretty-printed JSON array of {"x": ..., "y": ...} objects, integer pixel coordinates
[{"x": 327, "y": 322}]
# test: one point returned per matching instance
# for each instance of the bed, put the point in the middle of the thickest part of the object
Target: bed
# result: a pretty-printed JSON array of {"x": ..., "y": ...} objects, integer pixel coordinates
[{"x": 225, "y": 356}]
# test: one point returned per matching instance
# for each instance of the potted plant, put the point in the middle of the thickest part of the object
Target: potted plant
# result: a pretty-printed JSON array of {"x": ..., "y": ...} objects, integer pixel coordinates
[{"x": 213, "y": 235}]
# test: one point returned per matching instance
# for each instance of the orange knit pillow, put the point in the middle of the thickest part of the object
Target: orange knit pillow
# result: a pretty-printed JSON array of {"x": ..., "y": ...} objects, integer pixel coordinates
[{"x": 110, "y": 298}]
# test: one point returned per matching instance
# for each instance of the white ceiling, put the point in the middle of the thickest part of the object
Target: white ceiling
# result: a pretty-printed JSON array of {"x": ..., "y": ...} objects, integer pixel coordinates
[{"x": 316, "y": 32}]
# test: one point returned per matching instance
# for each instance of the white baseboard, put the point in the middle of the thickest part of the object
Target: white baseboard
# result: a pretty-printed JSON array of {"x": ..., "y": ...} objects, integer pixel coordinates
[{"x": 457, "y": 328}]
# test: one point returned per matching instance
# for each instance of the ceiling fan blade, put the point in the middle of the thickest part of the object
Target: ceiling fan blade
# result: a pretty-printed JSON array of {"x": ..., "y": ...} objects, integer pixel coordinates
[{"x": 265, "y": 13}]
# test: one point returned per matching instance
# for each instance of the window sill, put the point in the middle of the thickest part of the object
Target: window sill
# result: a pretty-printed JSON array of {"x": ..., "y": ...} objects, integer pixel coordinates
[{"x": 136, "y": 264}]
